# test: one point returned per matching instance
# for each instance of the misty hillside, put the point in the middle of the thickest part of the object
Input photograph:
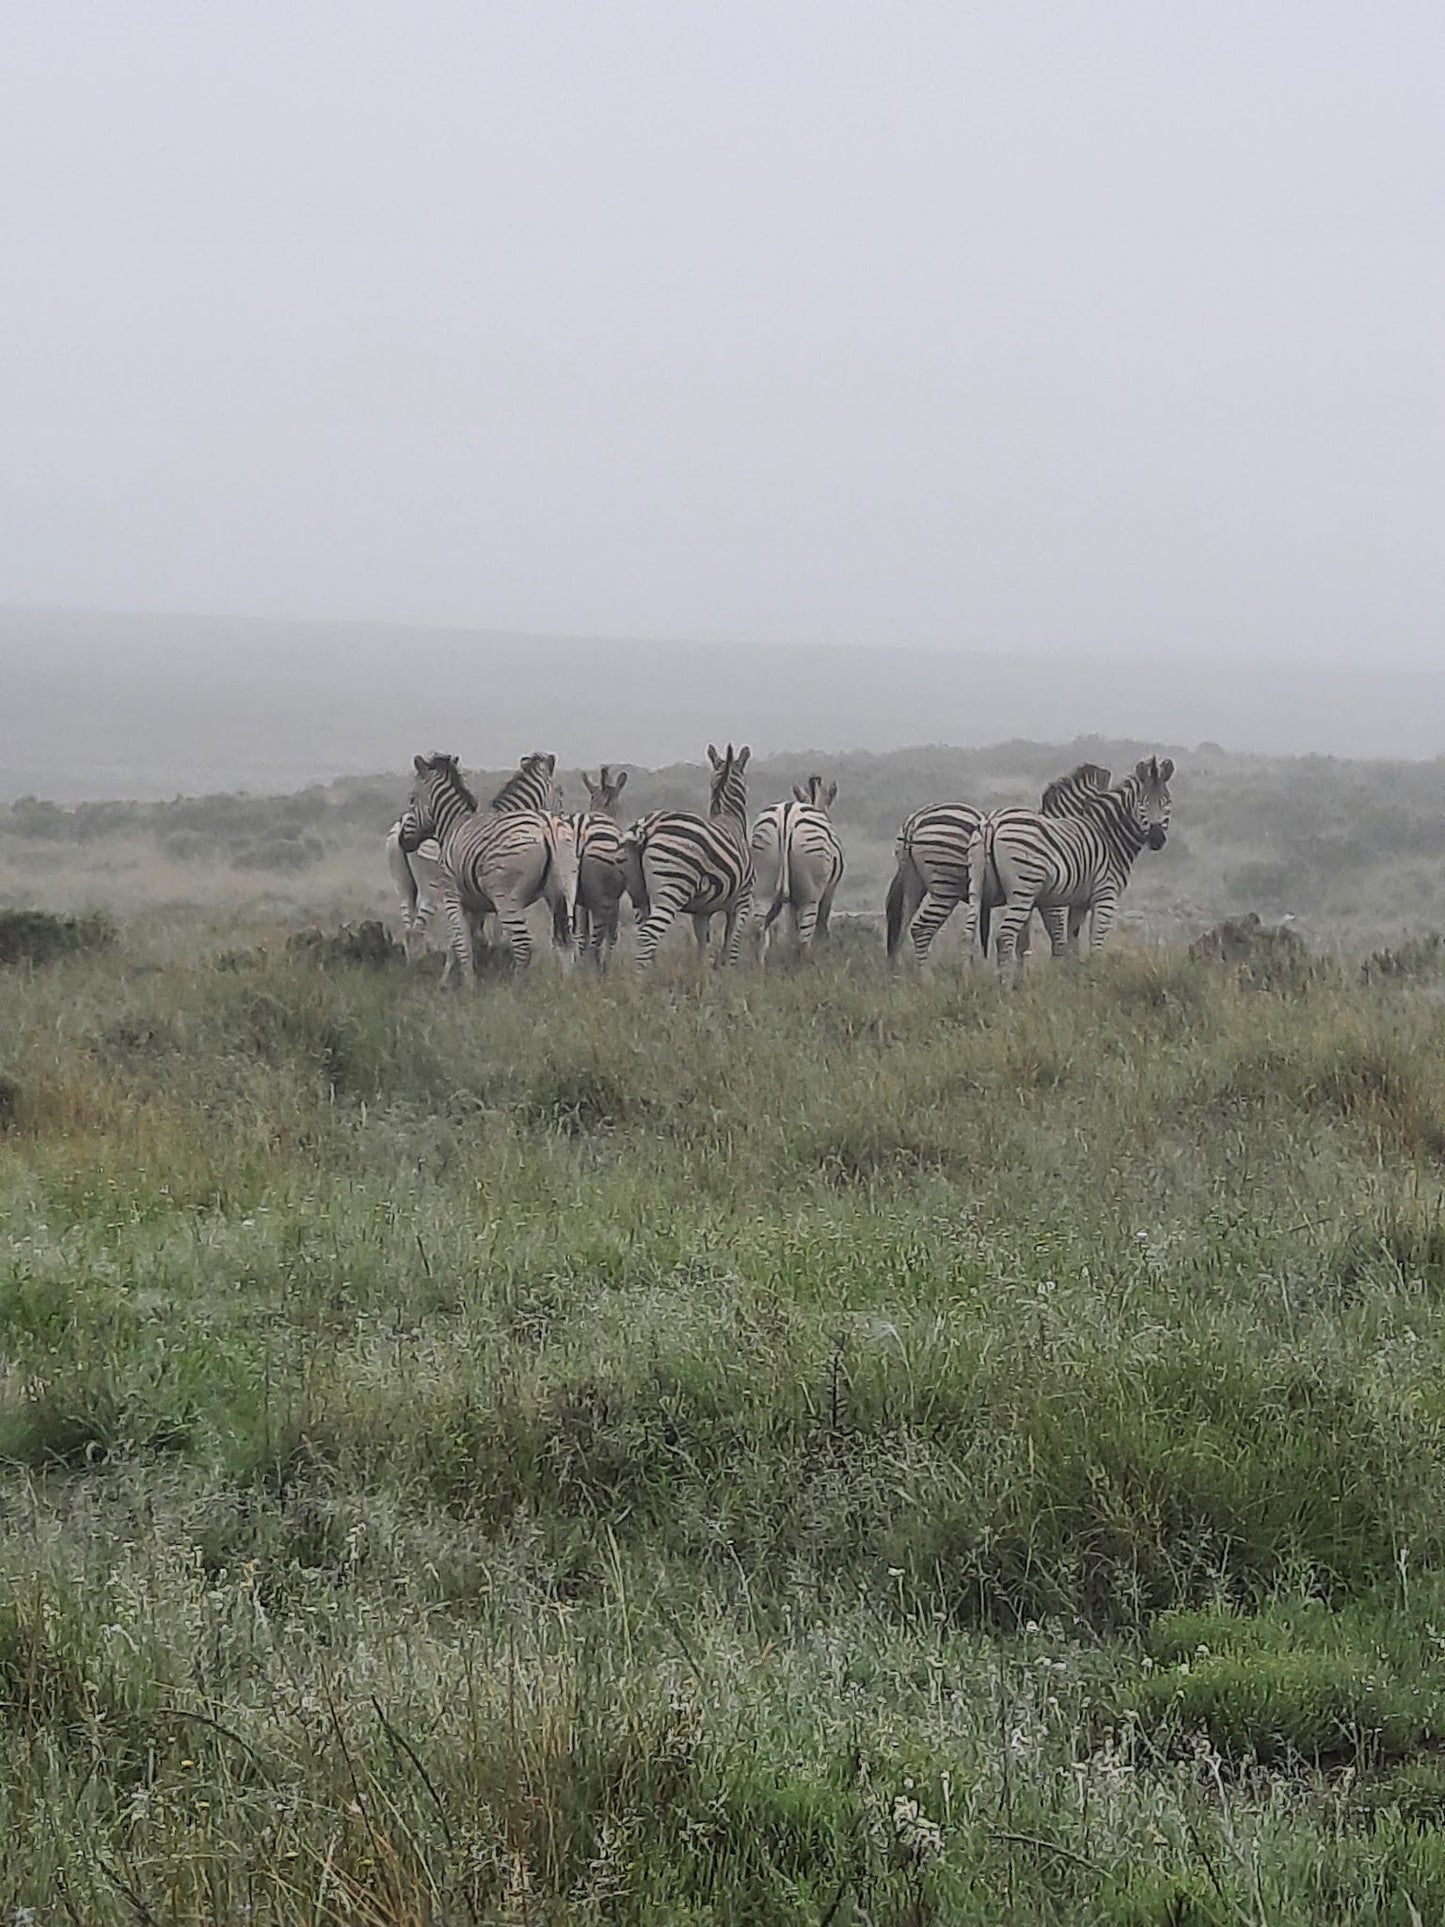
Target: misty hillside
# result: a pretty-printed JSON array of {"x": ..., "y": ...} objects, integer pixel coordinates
[{"x": 140, "y": 706}]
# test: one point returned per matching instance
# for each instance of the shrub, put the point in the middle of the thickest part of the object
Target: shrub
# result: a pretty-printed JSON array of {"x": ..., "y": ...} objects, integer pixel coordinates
[
  {"x": 366, "y": 944},
  {"x": 40, "y": 937},
  {"x": 1419, "y": 959},
  {"x": 284, "y": 854}
]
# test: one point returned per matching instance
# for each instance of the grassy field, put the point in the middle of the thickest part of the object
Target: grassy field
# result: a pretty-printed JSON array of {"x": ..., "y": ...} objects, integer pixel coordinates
[{"x": 824, "y": 1448}]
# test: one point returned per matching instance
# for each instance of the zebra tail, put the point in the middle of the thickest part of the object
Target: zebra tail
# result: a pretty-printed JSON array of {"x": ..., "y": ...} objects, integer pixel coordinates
[
  {"x": 784, "y": 888},
  {"x": 402, "y": 875},
  {"x": 896, "y": 892},
  {"x": 989, "y": 868}
]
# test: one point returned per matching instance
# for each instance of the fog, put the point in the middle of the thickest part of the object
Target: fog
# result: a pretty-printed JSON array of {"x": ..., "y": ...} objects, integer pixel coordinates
[{"x": 1068, "y": 333}]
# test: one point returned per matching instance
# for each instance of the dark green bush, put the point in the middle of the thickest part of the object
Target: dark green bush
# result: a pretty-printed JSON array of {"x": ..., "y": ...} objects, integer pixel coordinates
[{"x": 39, "y": 936}]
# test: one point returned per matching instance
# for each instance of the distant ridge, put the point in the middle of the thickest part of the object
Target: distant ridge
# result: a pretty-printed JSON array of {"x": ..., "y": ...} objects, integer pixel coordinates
[{"x": 96, "y": 705}]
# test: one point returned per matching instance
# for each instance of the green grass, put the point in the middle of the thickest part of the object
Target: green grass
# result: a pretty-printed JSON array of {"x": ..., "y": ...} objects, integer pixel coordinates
[{"x": 827, "y": 1447}]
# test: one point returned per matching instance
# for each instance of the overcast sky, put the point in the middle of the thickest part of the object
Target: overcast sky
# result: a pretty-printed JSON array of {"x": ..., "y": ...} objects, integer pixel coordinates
[{"x": 1069, "y": 326}]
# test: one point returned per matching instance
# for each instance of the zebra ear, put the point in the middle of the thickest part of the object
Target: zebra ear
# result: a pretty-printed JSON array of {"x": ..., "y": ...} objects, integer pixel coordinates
[
  {"x": 742, "y": 757},
  {"x": 831, "y": 792},
  {"x": 1166, "y": 769},
  {"x": 420, "y": 765},
  {"x": 620, "y": 784},
  {"x": 713, "y": 757},
  {"x": 549, "y": 763},
  {"x": 800, "y": 793},
  {"x": 1141, "y": 770}
]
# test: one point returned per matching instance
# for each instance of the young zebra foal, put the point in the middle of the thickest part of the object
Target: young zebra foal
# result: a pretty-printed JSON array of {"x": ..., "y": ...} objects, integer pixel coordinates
[
  {"x": 798, "y": 863},
  {"x": 696, "y": 866}
]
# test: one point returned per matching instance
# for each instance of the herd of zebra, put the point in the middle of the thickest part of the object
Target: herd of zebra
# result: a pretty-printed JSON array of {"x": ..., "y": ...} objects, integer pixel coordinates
[{"x": 1069, "y": 861}]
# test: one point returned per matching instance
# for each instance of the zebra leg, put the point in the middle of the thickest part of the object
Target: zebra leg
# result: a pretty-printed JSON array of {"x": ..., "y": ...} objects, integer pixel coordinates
[
  {"x": 460, "y": 952},
  {"x": 655, "y": 924},
  {"x": 1012, "y": 917},
  {"x": 604, "y": 941},
  {"x": 938, "y": 907},
  {"x": 1105, "y": 907},
  {"x": 1056, "y": 921},
  {"x": 513, "y": 920},
  {"x": 732, "y": 929},
  {"x": 701, "y": 924},
  {"x": 825, "y": 911},
  {"x": 905, "y": 893},
  {"x": 805, "y": 923}
]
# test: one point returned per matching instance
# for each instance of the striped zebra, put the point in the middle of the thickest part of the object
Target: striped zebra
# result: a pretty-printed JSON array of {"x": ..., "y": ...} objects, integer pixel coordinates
[
  {"x": 695, "y": 866},
  {"x": 415, "y": 862},
  {"x": 797, "y": 863},
  {"x": 498, "y": 859},
  {"x": 1068, "y": 865},
  {"x": 601, "y": 866},
  {"x": 932, "y": 853}
]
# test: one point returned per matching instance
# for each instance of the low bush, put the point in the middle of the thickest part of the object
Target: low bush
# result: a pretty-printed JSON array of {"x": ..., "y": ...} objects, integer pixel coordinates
[{"x": 40, "y": 937}]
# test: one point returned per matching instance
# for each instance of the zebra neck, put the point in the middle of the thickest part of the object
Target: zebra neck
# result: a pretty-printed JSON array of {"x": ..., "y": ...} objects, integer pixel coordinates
[
  {"x": 447, "y": 813},
  {"x": 1119, "y": 827}
]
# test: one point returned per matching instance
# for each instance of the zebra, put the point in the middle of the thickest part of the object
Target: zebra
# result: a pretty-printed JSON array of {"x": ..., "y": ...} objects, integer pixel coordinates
[
  {"x": 932, "y": 852},
  {"x": 1073, "y": 864},
  {"x": 798, "y": 862},
  {"x": 416, "y": 862},
  {"x": 697, "y": 866},
  {"x": 601, "y": 866},
  {"x": 494, "y": 859}
]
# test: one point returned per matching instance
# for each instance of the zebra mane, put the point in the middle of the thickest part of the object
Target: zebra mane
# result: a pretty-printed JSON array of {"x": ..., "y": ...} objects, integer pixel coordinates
[
  {"x": 521, "y": 784},
  {"x": 447, "y": 767},
  {"x": 1084, "y": 777},
  {"x": 729, "y": 796}
]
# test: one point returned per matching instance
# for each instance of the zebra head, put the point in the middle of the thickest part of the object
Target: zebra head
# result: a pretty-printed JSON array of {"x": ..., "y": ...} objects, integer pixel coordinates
[
  {"x": 439, "y": 795},
  {"x": 1152, "y": 801},
  {"x": 729, "y": 788},
  {"x": 603, "y": 795},
  {"x": 816, "y": 792},
  {"x": 533, "y": 786}
]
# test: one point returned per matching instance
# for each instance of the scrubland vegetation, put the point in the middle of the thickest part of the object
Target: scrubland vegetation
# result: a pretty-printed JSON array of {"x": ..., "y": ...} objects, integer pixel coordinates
[
  {"x": 819, "y": 1448},
  {"x": 1350, "y": 851}
]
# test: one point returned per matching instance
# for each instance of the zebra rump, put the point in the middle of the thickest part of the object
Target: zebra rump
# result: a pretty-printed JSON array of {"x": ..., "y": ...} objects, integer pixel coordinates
[{"x": 684, "y": 865}]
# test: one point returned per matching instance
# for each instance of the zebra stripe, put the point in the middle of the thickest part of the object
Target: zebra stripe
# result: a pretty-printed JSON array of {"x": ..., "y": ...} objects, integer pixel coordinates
[
  {"x": 499, "y": 860},
  {"x": 797, "y": 862},
  {"x": 931, "y": 879},
  {"x": 696, "y": 866},
  {"x": 601, "y": 866},
  {"x": 1075, "y": 865}
]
